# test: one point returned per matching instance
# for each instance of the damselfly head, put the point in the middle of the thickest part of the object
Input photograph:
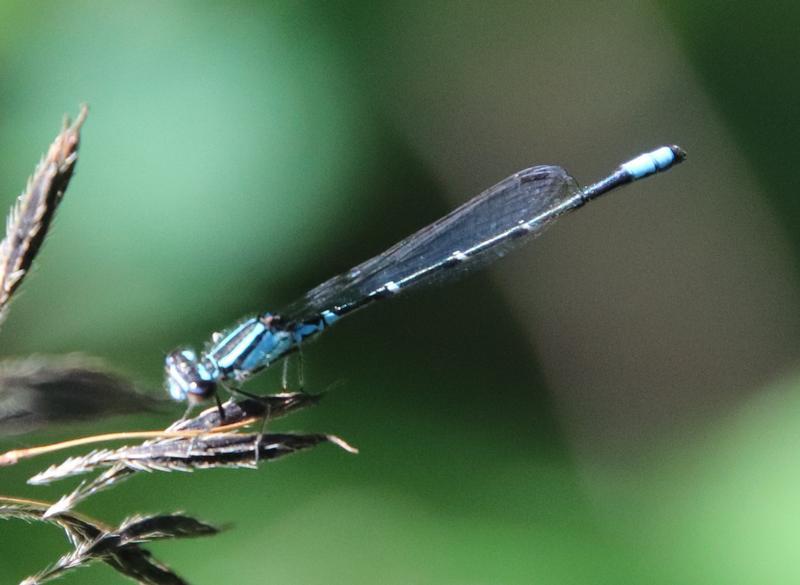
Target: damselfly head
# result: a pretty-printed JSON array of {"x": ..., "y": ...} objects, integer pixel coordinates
[{"x": 188, "y": 378}]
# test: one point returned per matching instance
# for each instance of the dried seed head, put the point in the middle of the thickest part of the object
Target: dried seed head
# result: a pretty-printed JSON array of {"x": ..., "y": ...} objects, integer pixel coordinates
[
  {"x": 118, "y": 547},
  {"x": 29, "y": 219}
]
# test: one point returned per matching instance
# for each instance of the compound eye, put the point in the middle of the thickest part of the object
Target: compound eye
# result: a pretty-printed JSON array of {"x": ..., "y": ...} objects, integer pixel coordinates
[
  {"x": 181, "y": 358},
  {"x": 186, "y": 376},
  {"x": 201, "y": 390},
  {"x": 176, "y": 390}
]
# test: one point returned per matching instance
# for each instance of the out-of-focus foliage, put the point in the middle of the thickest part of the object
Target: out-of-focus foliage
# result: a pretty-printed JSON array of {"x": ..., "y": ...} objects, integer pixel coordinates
[{"x": 238, "y": 153}]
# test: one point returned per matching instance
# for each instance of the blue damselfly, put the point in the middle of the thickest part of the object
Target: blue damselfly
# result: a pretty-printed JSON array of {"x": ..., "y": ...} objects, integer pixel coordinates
[{"x": 473, "y": 235}]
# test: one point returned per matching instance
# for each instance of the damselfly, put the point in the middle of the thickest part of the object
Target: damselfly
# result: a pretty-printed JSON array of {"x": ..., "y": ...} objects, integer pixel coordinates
[{"x": 473, "y": 235}]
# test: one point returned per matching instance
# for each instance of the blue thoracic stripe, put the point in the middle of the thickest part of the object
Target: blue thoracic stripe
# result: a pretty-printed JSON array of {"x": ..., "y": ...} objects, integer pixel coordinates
[
  {"x": 257, "y": 342},
  {"x": 243, "y": 338},
  {"x": 270, "y": 347}
]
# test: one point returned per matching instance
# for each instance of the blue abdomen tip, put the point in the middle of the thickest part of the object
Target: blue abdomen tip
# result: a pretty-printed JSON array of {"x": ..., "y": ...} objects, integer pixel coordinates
[
  {"x": 663, "y": 157},
  {"x": 652, "y": 162}
]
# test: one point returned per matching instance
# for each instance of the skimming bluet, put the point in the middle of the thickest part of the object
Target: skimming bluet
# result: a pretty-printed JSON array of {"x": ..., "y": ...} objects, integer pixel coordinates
[{"x": 473, "y": 235}]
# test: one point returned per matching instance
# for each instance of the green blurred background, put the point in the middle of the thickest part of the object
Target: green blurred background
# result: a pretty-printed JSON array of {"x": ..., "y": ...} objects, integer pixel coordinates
[{"x": 616, "y": 403}]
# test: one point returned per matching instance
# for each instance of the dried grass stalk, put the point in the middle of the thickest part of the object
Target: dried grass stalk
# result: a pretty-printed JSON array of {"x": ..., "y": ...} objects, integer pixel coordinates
[
  {"x": 117, "y": 547},
  {"x": 204, "y": 451},
  {"x": 273, "y": 406},
  {"x": 29, "y": 219},
  {"x": 188, "y": 454},
  {"x": 76, "y": 527}
]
